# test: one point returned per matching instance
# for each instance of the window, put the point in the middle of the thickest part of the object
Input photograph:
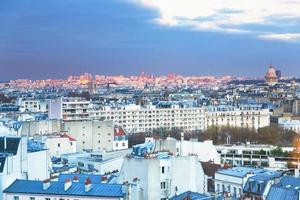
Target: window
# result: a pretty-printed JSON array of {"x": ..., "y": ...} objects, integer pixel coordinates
[
  {"x": 16, "y": 198},
  {"x": 99, "y": 141},
  {"x": 31, "y": 198},
  {"x": 47, "y": 198},
  {"x": 163, "y": 185},
  {"x": 218, "y": 187},
  {"x": 162, "y": 169},
  {"x": 123, "y": 144},
  {"x": 228, "y": 188},
  {"x": 116, "y": 144},
  {"x": 58, "y": 145}
]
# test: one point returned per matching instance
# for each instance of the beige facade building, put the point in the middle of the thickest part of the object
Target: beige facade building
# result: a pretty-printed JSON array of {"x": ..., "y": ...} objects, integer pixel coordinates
[{"x": 89, "y": 134}]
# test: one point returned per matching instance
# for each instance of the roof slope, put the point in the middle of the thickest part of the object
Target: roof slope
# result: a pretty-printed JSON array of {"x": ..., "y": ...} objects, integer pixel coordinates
[{"x": 57, "y": 188}]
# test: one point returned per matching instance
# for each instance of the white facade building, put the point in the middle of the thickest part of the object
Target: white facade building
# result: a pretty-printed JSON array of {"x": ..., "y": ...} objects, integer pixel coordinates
[
  {"x": 89, "y": 134},
  {"x": 242, "y": 116},
  {"x": 290, "y": 124},
  {"x": 139, "y": 119},
  {"x": 135, "y": 118},
  {"x": 99, "y": 162},
  {"x": 247, "y": 154},
  {"x": 68, "y": 108},
  {"x": 205, "y": 151},
  {"x": 18, "y": 161},
  {"x": 29, "y": 105},
  {"x": 160, "y": 173},
  {"x": 231, "y": 181},
  {"x": 59, "y": 144}
]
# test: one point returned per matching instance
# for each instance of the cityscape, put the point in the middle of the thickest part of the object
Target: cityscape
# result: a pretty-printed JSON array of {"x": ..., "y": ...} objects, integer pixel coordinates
[{"x": 149, "y": 100}]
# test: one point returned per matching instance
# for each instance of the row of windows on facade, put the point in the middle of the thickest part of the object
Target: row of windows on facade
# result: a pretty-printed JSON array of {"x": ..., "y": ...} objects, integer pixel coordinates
[{"x": 228, "y": 189}]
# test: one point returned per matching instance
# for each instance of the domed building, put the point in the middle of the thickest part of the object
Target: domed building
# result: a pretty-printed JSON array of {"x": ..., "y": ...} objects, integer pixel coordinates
[{"x": 271, "y": 76}]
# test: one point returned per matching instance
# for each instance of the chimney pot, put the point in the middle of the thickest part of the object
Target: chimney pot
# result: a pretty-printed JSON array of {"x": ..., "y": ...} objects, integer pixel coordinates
[
  {"x": 46, "y": 184},
  {"x": 68, "y": 184}
]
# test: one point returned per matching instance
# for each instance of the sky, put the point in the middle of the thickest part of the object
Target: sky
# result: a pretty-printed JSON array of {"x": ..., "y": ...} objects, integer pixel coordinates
[{"x": 55, "y": 38}]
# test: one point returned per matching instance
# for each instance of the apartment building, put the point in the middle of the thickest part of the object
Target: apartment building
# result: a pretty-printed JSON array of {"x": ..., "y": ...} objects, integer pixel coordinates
[
  {"x": 205, "y": 151},
  {"x": 40, "y": 127},
  {"x": 89, "y": 134},
  {"x": 246, "y": 116},
  {"x": 186, "y": 115},
  {"x": 68, "y": 108},
  {"x": 290, "y": 124},
  {"x": 134, "y": 118},
  {"x": 245, "y": 154},
  {"x": 159, "y": 173},
  {"x": 231, "y": 182},
  {"x": 28, "y": 104}
]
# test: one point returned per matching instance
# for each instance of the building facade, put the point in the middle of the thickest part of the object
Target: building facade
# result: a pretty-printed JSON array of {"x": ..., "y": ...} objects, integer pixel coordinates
[
  {"x": 68, "y": 108},
  {"x": 159, "y": 173}
]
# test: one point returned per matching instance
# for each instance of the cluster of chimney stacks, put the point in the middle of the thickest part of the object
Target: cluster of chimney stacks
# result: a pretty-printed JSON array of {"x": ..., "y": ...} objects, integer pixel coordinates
[{"x": 68, "y": 183}]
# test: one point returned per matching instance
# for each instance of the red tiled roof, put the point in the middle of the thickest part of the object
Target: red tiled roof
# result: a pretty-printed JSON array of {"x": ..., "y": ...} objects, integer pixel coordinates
[
  {"x": 119, "y": 131},
  {"x": 68, "y": 136}
]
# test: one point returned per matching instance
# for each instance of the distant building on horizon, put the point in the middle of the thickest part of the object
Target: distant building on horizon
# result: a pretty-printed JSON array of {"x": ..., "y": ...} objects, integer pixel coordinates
[{"x": 271, "y": 77}]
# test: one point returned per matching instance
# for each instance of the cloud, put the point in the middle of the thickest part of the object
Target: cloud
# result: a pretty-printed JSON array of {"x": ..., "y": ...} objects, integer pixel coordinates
[
  {"x": 232, "y": 16},
  {"x": 288, "y": 37}
]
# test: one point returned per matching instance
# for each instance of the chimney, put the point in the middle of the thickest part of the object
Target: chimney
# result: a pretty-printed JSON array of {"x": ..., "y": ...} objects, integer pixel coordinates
[
  {"x": 297, "y": 173},
  {"x": 182, "y": 136},
  {"x": 68, "y": 184},
  {"x": 103, "y": 179},
  {"x": 75, "y": 179},
  {"x": 136, "y": 182},
  {"x": 88, "y": 185},
  {"x": 46, "y": 184},
  {"x": 127, "y": 190}
]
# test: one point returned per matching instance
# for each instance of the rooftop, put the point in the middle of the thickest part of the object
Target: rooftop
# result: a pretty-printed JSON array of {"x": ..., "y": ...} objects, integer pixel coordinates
[
  {"x": 240, "y": 171},
  {"x": 191, "y": 196},
  {"x": 287, "y": 189},
  {"x": 57, "y": 188}
]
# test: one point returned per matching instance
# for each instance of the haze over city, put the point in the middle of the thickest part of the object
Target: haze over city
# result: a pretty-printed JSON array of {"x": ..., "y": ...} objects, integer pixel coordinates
[
  {"x": 57, "y": 38},
  {"x": 150, "y": 99}
]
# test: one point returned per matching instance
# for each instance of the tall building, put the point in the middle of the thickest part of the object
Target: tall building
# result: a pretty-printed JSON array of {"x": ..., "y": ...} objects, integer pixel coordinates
[
  {"x": 68, "y": 108},
  {"x": 21, "y": 160},
  {"x": 159, "y": 173},
  {"x": 271, "y": 76}
]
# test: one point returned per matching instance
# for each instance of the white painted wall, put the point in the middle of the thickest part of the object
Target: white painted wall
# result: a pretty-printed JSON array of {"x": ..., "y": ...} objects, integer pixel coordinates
[
  {"x": 183, "y": 172},
  {"x": 39, "y": 164}
]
